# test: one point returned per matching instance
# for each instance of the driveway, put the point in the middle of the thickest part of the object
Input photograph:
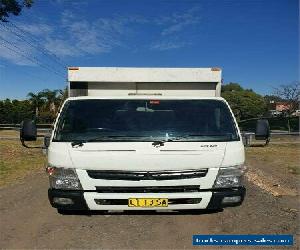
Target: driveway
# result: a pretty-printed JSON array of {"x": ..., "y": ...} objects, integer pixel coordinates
[{"x": 28, "y": 221}]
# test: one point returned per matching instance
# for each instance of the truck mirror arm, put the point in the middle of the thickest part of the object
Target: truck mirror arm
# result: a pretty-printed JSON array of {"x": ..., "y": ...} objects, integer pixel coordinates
[
  {"x": 26, "y": 146},
  {"x": 267, "y": 141}
]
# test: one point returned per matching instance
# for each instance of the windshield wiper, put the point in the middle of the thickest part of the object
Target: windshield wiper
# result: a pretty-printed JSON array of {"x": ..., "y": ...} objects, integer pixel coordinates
[
  {"x": 178, "y": 138},
  {"x": 156, "y": 143},
  {"x": 77, "y": 143},
  {"x": 80, "y": 143},
  {"x": 159, "y": 143}
]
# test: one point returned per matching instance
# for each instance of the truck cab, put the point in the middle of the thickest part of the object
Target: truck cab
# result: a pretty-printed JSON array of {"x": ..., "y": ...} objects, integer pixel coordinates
[{"x": 144, "y": 139}]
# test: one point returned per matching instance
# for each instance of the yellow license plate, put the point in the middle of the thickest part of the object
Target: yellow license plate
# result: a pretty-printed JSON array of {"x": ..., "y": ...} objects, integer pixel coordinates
[{"x": 147, "y": 202}]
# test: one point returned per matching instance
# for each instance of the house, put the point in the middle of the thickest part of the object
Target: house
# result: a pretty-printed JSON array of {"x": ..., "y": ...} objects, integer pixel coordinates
[
  {"x": 279, "y": 108},
  {"x": 282, "y": 106}
]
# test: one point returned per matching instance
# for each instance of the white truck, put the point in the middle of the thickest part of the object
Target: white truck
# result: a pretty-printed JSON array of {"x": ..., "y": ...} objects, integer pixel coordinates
[{"x": 144, "y": 139}]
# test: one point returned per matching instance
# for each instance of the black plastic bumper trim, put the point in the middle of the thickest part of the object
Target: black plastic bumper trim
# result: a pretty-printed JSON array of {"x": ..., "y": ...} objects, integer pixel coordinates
[
  {"x": 149, "y": 189},
  {"x": 80, "y": 204},
  {"x": 146, "y": 175},
  {"x": 217, "y": 197},
  {"x": 76, "y": 196}
]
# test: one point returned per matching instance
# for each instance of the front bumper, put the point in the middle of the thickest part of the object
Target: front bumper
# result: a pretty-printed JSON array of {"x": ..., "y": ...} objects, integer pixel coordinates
[
  {"x": 76, "y": 196},
  {"x": 218, "y": 196},
  {"x": 209, "y": 199}
]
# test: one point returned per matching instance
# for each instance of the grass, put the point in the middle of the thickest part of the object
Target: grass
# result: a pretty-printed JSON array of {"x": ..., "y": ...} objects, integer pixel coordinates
[
  {"x": 17, "y": 161},
  {"x": 7, "y": 133},
  {"x": 282, "y": 157},
  {"x": 294, "y": 169}
]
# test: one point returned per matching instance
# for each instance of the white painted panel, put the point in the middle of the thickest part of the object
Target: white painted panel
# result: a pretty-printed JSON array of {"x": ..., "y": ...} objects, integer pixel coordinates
[
  {"x": 91, "y": 196},
  {"x": 178, "y": 89},
  {"x": 111, "y": 88},
  {"x": 113, "y": 74},
  {"x": 200, "y": 82},
  {"x": 165, "y": 89}
]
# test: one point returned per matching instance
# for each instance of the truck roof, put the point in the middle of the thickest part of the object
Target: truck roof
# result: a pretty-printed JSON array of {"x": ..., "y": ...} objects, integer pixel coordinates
[
  {"x": 144, "y": 97},
  {"x": 121, "y": 81},
  {"x": 123, "y": 74}
]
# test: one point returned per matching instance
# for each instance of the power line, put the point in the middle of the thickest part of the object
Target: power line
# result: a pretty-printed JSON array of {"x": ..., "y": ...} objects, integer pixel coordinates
[
  {"x": 35, "y": 46},
  {"x": 32, "y": 59},
  {"x": 48, "y": 52},
  {"x": 29, "y": 57},
  {"x": 71, "y": 48}
]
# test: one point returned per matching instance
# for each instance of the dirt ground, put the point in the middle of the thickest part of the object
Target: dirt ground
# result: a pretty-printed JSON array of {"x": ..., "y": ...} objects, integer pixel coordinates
[{"x": 271, "y": 207}]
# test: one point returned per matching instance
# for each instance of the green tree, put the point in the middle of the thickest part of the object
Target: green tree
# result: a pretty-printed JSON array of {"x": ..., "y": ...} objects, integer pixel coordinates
[
  {"x": 36, "y": 101},
  {"x": 232, "y": 87},
  {"x": 43, "y": 105},
  {"x": 273, "y": 98},
  {"x": 14, "y": 7},
  {"x": 6, "y": 111},
  {"x": 52, "y": 99},
  {"x": 63, "y": 94},
  {"x": 14, "y": 111},
  {"x": 245, "y": 103}
]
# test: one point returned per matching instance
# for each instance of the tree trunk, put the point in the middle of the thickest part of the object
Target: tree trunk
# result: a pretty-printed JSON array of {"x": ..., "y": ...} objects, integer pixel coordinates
[{"x": 36, "y": 112}]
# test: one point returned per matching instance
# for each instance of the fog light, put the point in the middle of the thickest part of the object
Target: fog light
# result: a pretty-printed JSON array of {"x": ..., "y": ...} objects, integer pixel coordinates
[
  {"x": 231, "y": 199},
  {"x": 63, "y": 201}
]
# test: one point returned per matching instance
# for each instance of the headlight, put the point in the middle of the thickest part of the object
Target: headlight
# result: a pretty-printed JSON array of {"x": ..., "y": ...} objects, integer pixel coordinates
[
  {"x": 63, "y": 178},
  {"x": 230, "y": 177}
]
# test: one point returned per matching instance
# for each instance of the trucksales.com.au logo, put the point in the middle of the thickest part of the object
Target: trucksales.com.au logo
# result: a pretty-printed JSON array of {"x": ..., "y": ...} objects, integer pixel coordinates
[{"x": 246, "y": 240}]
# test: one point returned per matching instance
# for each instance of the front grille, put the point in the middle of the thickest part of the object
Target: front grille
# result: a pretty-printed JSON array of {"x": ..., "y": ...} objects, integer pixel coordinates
[
  {"x": 173, "y": 201},
  {"x": 146, "y": 175},
  {"x": 157, "y": 189}
]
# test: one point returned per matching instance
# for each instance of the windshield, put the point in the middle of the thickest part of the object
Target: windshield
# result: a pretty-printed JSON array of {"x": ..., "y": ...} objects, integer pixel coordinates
[{"x": 145, "y": 120}]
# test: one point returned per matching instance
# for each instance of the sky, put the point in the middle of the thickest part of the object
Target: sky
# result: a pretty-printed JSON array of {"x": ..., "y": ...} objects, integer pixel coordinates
[{"x": 255, "y": 42}]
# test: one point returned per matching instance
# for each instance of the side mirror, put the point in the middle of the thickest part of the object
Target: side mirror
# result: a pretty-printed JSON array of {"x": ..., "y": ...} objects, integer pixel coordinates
[
  {"x": 262, "y": 131},
  {"x": 28, "y": 131}
]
